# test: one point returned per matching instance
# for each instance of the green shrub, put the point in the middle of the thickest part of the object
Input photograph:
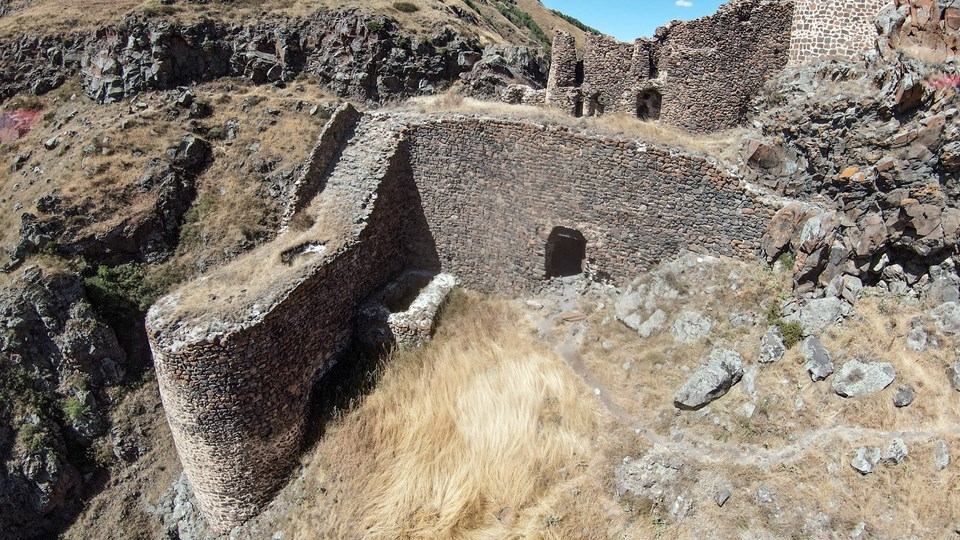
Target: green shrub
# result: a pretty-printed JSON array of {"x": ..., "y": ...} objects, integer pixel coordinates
[
  {"x": 471, "y": 5},
  {"x": 792, "y": 333},
  {"x": 33, "y": 437},
  {"x": 124, "y": 292},
  {"x": 405, "y": 7},
  {"x": 75, "y": 410},
  {"x": 375, "y": 26},
  {"x": 787, "y": 260}
]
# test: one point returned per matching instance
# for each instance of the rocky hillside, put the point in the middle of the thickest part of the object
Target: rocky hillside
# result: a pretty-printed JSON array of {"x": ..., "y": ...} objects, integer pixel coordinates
[
  {"x": 366, "y": 51},
  {"x": 871, "y": 148}
]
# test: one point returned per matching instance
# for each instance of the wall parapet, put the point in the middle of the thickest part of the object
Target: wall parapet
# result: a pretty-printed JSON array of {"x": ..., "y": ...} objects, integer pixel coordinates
[{"x": 331, "y": 141}]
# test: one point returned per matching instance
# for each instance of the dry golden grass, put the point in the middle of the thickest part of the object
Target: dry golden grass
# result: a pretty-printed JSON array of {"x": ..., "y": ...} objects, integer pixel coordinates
[
  {"x": 51, "y": 16},
  {"x": 723, "y": 145},
  {"x": 482, "y": 434},
  {"x": 99, "y": 168}
]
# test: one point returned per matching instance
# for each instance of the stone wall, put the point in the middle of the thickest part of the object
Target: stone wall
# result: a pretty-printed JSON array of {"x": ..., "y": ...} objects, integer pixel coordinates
[
  {"x": 236, "y": 387},
  {"x": 702, "y": 74},
  {"x": 237, "y": 352},
  {"x": 835, "y": 28},
  {"x": 490, "y": 209}
]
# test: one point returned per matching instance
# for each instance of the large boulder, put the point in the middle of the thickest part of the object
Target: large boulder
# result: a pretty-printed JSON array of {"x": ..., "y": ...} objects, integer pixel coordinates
[
  {"x": 723, "y": 369},
  {"x": 857, "y": 378},
  {"x": 819, "y": 314},
  {"x": 947, "y": 317}
]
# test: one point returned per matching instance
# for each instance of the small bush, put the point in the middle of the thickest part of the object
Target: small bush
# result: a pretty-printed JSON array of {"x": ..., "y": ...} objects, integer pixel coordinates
[
  {"x": 375, "y": 26},
  {"x": 792, "y": 333},
  {"x": 471, "y": 5},
  {"x": 75, "y": 410},
  {"x": 405, "y": 7},
  {"x": 787, "y": 260}
]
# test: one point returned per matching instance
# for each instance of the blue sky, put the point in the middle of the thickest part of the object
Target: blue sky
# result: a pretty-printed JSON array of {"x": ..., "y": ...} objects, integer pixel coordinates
[{"x": 627, "y": 20}]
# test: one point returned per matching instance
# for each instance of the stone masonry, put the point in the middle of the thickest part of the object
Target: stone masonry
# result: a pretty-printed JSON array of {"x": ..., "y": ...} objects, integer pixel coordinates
[
  {"x": 698, "y": 75},
  {"x": 237, "y": 352},
  {"x": 835, "y": 28},
  {"x": 701, "y": 75}
]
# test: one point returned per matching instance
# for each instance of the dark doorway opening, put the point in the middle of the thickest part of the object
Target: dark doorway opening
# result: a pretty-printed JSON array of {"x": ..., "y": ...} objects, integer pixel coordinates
[
  {"x": 648, "y": 105},
  {"x": 565, "y": 253}
]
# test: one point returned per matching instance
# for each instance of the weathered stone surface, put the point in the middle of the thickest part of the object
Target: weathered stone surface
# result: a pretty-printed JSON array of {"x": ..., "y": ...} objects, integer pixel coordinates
[
  {"x": 856, "y": 378},
  {"x": 691, "y": 327},
  {"x": 904, "y": 396},
  {"x": 896, "y": 452},
  {"x": 941, "y": 455},
  {"x": 953, "y": 374},
  {"x": 841, "y": 28},
  {"x": 818, "y": 315},
  {"x": 674, "y": 77},
  {"x": 53, "y": 339},
  {"x": 354, "y": 56},
  {"x": 772, "y": 348},
  {"x": 816, "y": 359},
  {"x": 723, "y": 369},
  {"x": 865, "y": 459},
  {"x": 947, "y": 317},
  {"x": 653, "y": 325}
]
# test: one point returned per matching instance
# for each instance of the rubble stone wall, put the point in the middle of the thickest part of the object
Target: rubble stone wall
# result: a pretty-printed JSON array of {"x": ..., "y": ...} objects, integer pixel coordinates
[
  {"x": 835, "y": 28},
  {"x": 706, "y": 70},
  {"x": 237, "y": 401},
  {"x": 331, "y": 140},
  {"x": 490, "y": 209}
]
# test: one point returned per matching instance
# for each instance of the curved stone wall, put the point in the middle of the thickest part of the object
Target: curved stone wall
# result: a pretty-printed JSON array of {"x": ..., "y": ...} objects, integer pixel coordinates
[
  {"x": 492, "y": 191},
  {"x": 237, "y": 352}
]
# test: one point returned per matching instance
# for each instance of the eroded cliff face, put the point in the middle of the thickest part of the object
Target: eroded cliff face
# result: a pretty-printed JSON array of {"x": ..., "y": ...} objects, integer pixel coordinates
[{"x": 357, "y": 57}]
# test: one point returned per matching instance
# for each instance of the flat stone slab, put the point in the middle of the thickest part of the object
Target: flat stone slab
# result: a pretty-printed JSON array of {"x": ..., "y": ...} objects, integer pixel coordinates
[
  {"x": 692, "y": 327},
  {"x": 857, "y": 378},
  {"x": 816, "y": 359},
  {"x": 772, "y": 347}
]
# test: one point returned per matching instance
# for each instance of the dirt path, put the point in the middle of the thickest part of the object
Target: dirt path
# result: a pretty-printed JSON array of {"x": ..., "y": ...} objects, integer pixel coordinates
[{"x": 703, "y": 449}]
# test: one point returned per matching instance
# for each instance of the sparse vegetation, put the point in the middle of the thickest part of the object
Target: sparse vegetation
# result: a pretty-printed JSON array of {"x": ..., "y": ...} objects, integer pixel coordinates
[
  {"x": 405, "y": 7},
  {"x": 792, "y": 333},
  {"x": 522, "y": 19},
  {"x": 576, "y": 22}
]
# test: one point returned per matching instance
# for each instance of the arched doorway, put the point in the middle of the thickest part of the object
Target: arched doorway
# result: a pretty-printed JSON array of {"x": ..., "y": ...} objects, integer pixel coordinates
[{"x": 566, "y": 250}]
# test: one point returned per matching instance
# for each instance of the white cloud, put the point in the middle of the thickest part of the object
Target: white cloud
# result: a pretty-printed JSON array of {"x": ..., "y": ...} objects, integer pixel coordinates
[{"x": 684, "y": 3}]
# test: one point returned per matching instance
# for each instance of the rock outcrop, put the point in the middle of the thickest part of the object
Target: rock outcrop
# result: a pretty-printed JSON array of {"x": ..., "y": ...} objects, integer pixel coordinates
[
  {"x": 358, "y": 57},
  {"x": 57, "y": 357}
]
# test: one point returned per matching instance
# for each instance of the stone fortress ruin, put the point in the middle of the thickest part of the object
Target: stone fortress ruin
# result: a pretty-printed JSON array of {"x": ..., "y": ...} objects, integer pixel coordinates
[
  {"x": 498, "y": 204},
  {"x": 701, "y": 75}
]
